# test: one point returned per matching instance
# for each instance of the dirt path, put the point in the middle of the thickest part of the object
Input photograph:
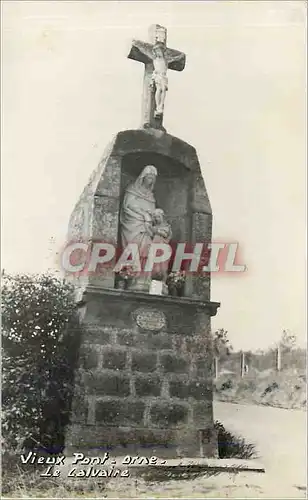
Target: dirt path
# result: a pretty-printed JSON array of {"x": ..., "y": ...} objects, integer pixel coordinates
[{"x": 280, "y": 438}]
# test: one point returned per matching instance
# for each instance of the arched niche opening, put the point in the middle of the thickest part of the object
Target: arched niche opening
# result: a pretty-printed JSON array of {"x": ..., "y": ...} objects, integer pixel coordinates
[{"x": 172, "y": 189}]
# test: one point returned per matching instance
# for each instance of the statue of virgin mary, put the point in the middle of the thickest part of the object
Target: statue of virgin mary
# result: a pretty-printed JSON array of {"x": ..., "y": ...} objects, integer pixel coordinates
[{"x": 138, "y": 205}]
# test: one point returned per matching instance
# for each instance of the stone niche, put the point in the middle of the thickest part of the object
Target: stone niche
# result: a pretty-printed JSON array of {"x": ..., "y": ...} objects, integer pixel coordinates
[
  {"x": 172, "y": 188},
  {"x": 180, "y": 191}
]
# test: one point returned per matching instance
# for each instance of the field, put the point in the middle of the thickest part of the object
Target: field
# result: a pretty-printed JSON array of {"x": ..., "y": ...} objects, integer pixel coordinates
[{"x": 285, "y": 389}]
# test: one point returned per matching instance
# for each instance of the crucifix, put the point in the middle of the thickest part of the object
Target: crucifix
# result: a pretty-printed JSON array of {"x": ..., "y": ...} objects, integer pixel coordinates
[{"x": 157, "y": 59}]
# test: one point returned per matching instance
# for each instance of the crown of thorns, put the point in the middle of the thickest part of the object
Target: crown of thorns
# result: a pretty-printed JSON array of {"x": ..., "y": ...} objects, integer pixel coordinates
[{"x": 159, "y": 45}]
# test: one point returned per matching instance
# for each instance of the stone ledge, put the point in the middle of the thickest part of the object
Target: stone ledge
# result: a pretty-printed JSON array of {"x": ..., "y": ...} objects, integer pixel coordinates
[
  {"x": 224, "y": 464},
  {"x": 195, "y": 467},
  {"x": 210, "y": 306},
  {"x": 178, "y": 466}
]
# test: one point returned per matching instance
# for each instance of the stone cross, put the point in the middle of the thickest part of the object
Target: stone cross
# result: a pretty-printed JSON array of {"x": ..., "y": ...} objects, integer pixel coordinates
[{"x": 157, "y": 58}]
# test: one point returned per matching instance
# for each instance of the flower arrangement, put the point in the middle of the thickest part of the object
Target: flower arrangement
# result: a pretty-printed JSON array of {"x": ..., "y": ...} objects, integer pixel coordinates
[
  {"x": 125, "y": 276},
  {"x": 177, "y": 277},
  {"x": 127, "y": 273},
  {"x": 175, "y": 282}
]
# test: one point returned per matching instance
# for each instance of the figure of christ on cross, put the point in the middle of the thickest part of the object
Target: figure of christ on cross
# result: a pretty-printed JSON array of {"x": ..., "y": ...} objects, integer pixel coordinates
[{"x": 157, "y": 59}]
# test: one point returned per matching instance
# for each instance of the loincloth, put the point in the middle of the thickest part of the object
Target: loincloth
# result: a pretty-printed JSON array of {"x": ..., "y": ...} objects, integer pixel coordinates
[{"x": 160, "y": 80}]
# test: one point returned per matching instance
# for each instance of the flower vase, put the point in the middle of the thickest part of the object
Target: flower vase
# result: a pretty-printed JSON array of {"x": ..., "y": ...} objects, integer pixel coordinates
[
  {"x": 121, "y": 285},
  {"x": 172, "y": 289}
]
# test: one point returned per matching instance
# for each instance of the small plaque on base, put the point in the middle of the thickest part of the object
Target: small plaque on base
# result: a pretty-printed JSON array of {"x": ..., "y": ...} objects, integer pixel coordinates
[{"x": 150, "y": 319}]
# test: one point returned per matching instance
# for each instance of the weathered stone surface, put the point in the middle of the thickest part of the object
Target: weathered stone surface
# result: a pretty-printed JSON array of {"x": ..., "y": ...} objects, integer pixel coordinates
[
  {"x": 199, "y": 390},
  {"x": 209, "y": 442},
  {"x": 117, "y": 306},
  {"x": 109, "y": 384},
  {"x": 202, "y": 231},
  {"x": 200, "y": 202},
  {"x": 159, "y": 341},
  {"x": 144, "y": 362},
  {"x": 168, "y": 414},
  {"x": 95, "y": 440},
  {"x": 179, "y": 389},
  {"x": 120, "y": 412},
  {"x": 180, "y": 226},
  {"x": 188, "y": 439},
  {"x": 149, "y": 385},
  {"x": 184, "y": 389},
  {"x": 178, "y": 352},
  {"x": 105, "y": 220},
  {"x": 80, "y": 408},
  {"x": 96, "y": 334},
  {"x": 173, "y": 363},
  {"x": 114, "y": 359},
  {"x": 89, "y": 358},
  {"x": 204, "y": 368},
  {"x": 179, "y": 344},
  {"x": 109, "y": 183},
  {"x": 127, "y": 338},
  {"x": 203, "y": 413}
]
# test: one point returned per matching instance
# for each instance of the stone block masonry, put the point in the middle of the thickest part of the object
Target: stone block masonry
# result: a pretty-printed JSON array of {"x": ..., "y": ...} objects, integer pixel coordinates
[{"x": 140, "y": 386}]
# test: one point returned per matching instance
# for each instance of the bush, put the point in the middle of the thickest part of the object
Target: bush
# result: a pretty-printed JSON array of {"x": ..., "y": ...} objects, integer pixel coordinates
[
  {"x": 232, "y": 446},
  {"x": 228, "y": 384},
  {"x": 285, "y": 389},
  {"x": 40, "y": 333}
]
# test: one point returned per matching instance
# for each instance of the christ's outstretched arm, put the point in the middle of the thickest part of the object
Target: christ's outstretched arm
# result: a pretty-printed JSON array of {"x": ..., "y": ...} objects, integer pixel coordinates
[{"x": 144, "y": 48}]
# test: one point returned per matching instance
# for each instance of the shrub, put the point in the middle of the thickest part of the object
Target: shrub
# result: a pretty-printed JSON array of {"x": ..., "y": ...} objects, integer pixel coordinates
[
  {"x": 232, "y": 446},
  {"x": 228, "y": 384},
  {"x": 270, "y": 388},
  {"x": 40, "y": 332}
]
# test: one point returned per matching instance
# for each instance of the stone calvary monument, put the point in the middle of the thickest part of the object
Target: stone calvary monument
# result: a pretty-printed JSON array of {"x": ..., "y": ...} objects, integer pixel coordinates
[{"x": 143, "y": 383}]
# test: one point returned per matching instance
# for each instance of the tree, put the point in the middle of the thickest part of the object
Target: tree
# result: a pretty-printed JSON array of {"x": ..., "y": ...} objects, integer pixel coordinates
[
  {"x": 40, "y": 334},
  {"x": 288, "y": 341},
  {"x": 221, "y": 344}
]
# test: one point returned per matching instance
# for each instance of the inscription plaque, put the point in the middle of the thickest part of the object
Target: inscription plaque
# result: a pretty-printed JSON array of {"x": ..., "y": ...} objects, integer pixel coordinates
[{"x": 150, "y": 319}]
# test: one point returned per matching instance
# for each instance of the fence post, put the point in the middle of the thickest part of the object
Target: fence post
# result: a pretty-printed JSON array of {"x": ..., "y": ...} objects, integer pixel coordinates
[
  {"x": 215, "y": 367},
  {"x": 242, "y": 364},
  {"x": 278, "y": 358}
]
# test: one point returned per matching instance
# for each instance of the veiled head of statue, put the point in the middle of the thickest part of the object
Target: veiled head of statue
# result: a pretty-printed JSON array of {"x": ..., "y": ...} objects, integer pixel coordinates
[{"x": 147, "y": 177}]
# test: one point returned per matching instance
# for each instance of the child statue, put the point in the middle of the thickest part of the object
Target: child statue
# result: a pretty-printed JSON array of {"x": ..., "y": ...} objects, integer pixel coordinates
[{"x": 161, "y": 231}]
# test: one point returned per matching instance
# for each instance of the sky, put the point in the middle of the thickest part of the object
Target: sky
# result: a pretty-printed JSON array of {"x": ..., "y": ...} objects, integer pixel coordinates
[{"x": 68, "y": 88}]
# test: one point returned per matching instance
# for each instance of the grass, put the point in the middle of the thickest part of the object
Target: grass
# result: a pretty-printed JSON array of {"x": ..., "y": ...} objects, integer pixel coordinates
[
  {"x": 23, "y": 481},
  {"x": 285, "y": 389}
]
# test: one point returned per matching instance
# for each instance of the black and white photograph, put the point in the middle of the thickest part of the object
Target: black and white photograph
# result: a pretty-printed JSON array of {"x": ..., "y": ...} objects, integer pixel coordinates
[{"x": 153, "y": 250}]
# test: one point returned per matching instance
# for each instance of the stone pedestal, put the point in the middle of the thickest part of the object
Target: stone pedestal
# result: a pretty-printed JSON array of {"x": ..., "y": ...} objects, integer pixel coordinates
[{"x": 144, "y": 380}]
